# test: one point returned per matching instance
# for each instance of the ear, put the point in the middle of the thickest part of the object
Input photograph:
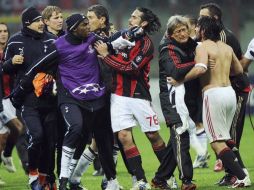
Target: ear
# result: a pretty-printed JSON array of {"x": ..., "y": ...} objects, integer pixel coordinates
[
  {"x": 143, "y": 24},
  {"x": 103, "y": 20},
  {"x": 45, "y": 21},
  {"x": 216, "y": 17}
]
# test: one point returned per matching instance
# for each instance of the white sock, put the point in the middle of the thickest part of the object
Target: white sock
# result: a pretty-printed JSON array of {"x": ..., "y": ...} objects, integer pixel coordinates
[
  {"x": 246, "y": 171},
  {"x": 73, "y": 165},
  {"x": 202, "y": 138},
  {"x": 196, "y": 145},
  {"x": 67, "y": 154},
  {"x": 84, "y": 162},
  {"x": 115, "y": 153}
]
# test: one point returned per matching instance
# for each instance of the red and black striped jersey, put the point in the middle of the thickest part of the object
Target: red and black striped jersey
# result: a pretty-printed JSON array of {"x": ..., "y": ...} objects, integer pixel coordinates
[
  {"x": 131, "y": 69},
  {"x": 6, "y": 80}
]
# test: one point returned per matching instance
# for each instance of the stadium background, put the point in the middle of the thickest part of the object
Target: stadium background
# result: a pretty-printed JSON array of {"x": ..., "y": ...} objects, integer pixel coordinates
[{"x": 238, "y": 16}]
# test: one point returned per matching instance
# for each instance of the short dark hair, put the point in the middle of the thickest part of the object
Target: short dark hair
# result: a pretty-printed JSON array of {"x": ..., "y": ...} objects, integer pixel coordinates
[
  {"x": 210, "y": 27},
  {"x": 153, "y": 21},
  {"x": 100, "y": 11},
  {"x": 214, "y": 9}
]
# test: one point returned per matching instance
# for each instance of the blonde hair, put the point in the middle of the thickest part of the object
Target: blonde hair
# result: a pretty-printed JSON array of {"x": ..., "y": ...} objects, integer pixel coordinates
[{"x": 47, "y": 12}]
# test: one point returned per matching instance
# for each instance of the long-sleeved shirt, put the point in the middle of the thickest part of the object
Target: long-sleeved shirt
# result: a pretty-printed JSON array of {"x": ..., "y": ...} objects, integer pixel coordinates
[{"x": 131, "y": 67}]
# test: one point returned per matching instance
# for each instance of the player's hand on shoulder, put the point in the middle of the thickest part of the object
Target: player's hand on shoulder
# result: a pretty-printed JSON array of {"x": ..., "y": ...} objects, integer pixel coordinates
[{"x": 101, "y": 48}]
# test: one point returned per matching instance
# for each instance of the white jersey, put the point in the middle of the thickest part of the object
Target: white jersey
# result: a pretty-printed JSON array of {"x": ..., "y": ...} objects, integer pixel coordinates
[
  {"x": 178, "y": 93},
  {"x": 250, "y": 48}
]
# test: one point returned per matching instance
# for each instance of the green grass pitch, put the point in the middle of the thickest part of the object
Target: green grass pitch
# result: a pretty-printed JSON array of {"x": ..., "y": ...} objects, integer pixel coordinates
[{"x": 204, "y": 178}]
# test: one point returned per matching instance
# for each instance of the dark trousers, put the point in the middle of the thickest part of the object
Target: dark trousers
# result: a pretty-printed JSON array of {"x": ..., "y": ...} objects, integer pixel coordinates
[
  {"x": 41, "y": 125},
  {"x": 236, "y": 130},
  {"x": 177, "y": 154},
  {"x": 81, "y": 122},
  {"x": 61, "y": 129}
]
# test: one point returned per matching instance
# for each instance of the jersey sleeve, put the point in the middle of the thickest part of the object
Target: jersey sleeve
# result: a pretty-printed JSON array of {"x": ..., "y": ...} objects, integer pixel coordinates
[
  {"x": 9, "y": 53},
  {"x": 41, "y": 65},
  {"x": 250, "y": 48},
  {"x": 139, "y": 55}
]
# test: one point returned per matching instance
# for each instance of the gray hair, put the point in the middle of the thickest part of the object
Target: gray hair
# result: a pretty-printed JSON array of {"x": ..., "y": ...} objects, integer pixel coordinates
[{"x": 174, "y": 22}]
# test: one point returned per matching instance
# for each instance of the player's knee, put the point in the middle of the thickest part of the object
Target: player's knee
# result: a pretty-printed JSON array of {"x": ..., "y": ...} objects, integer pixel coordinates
[
  {"x": 125, "y": 137},
  {"x": 218, "y": 146},
  {"x": 15, "y": 126},
  {"x": 231, "y": 144},
  {"x": 154, "y": 137}
]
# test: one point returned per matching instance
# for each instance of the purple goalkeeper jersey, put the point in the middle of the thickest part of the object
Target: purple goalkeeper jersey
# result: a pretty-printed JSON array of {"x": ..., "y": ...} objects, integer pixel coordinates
[{"x": 79, "y": 69}]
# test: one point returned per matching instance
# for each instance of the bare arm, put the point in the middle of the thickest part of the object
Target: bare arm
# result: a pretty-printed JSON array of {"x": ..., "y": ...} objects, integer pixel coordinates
[
  {"x": 248, "y": 56},
  {"x": 236, "y": 67},
  {"x": 200, "y": 67},
  {"x": 245, "y": 62}
]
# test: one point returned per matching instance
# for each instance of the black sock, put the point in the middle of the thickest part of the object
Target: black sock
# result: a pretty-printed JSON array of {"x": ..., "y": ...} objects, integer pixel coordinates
[
  {"x": 231, "y": 144},
  {"x": 8, "y": 148},
  {"x": 135, "y": 163},
  {"x": 230, "y": 161}
]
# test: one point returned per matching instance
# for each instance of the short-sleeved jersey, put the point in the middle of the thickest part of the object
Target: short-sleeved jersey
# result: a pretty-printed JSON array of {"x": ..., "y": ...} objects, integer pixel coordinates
[{"x": 250, "y": 48}]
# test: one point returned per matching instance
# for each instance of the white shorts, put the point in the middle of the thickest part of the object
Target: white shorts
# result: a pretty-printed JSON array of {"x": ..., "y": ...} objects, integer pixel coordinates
[
  {"x": 219, "y": 106},
  {"x": 126, "y": 112},
  {"x": 9, "y": 112}
]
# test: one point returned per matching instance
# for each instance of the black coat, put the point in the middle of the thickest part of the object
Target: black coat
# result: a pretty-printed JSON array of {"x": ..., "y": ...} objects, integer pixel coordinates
[
  {"x": 175, "y": 60},
  {"x": 32, "y": 46}
]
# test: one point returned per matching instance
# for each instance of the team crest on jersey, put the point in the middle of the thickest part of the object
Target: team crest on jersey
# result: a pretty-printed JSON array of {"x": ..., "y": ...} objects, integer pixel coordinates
[
  {"x": 91, "y": 50},
  {"x": 138, "y": 58},
  {"x": 21, "y": 51},
  {"x": 45, "y": 48},
  {"x": 124, "y": 55}
]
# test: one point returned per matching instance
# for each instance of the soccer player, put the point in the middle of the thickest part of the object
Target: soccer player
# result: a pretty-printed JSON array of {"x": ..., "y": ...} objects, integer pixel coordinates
[
  {"x": 4, "y": 35},
  {"x": 53, "y": 20},
  {"x": 239, "y": 83},
  {"x": 3, "y": 130},
  {"x": 8, "y": 118},
  {"x": 218, "y": 113},
  {"x": 99, "y": 24},
  {"x": 38, "y": 113},
  {"x": 130, "y": 98}
]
